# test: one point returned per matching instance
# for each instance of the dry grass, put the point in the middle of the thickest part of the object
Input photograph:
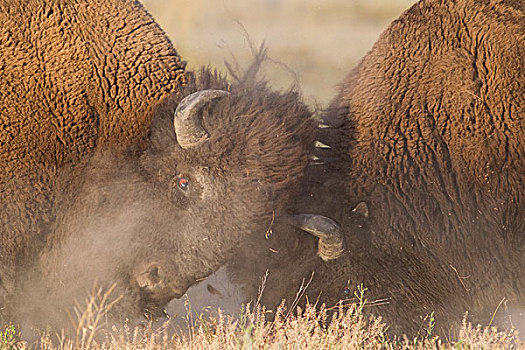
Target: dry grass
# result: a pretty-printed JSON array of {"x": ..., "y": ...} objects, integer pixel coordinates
[{"x": 312, "y": 328}]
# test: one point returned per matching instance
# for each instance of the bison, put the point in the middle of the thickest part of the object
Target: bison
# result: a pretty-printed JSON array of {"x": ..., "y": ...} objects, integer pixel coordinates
[
  {"x": 102, "y": 182},
  {"x": 422, "y": 163}
]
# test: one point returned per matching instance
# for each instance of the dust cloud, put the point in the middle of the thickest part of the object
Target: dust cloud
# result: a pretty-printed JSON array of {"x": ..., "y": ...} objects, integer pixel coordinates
[{"x": 99, "y": 239}]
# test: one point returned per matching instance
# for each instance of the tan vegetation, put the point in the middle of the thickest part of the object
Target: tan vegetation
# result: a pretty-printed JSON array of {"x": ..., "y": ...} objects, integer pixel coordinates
[{"x": 350, "y": 327}]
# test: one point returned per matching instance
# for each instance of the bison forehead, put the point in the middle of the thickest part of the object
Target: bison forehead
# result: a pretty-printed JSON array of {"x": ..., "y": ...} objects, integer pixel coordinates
[{"x": 210, "y": 184}]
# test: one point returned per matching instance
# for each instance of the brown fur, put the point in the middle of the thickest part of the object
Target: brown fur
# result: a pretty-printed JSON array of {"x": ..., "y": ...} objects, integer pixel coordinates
[
  {"x": 89, "y": 183},
  {"x": 75, "y": 76},
  {"x": 428, "y": 131}
]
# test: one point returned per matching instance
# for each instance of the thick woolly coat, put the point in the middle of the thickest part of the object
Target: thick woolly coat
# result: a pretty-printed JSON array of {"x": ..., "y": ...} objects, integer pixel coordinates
[{"x": 428, "y": 131}]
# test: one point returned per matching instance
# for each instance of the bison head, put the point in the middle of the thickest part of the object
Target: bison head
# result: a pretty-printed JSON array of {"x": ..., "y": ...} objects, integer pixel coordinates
[
  {"x": 215, "y": 172},
  {"x": 221, "y": 166}
]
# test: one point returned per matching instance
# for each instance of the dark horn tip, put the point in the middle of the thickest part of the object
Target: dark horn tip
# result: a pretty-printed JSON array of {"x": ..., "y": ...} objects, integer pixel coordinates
[
  {"x": 315, "y": 224},
  {"x": 329, "y": 232}
]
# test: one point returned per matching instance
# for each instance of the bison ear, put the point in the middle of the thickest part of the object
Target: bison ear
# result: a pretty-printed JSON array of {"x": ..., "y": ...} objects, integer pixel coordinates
[
  {"x": 331, "y": 243},
  {"x": 362, "y": 209},
  {"x": 187, "y": 121}
]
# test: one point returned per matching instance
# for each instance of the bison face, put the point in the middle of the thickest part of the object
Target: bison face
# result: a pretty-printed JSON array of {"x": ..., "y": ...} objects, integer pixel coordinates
[
  {"x": 196, "y": 220},
  {"x": 217, "y": 172}
]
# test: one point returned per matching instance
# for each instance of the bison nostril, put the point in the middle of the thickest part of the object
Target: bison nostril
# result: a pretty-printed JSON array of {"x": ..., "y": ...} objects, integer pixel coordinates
[
  {"x": 154, "y": 273},
  {"x": 151, "y": 277}
]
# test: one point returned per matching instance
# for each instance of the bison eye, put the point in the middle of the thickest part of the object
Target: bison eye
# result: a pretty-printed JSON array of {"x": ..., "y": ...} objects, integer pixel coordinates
[{"x": 183, "y": 183}]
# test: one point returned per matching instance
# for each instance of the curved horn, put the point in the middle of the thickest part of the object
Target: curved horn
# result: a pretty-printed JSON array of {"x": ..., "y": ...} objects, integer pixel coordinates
[
  {"x": 327, "y": 230},
  {"x": 186, "y": 121}
]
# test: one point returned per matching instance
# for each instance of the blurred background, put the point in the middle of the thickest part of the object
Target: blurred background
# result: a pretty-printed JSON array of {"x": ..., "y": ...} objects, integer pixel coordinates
[{"x": 312, "y": 43}]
